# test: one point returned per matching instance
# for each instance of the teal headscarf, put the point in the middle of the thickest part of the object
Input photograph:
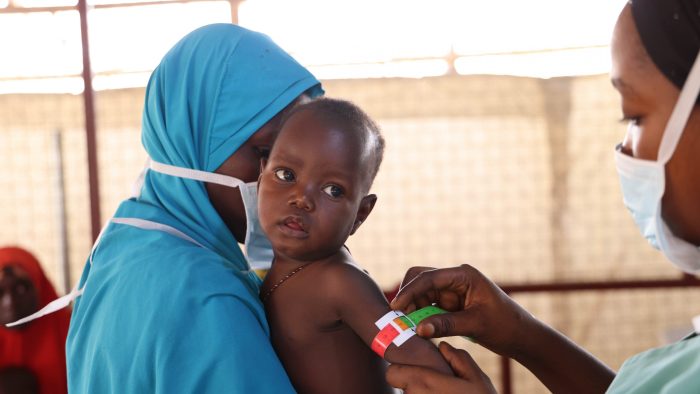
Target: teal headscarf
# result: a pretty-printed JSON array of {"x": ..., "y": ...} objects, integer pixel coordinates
[{"x": 210, "y": 93}]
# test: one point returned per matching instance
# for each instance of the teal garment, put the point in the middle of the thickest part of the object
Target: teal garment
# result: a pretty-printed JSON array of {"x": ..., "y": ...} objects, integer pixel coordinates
[
  {"x": 159, "y": 313},
  {"x": 672, "y": 369}
]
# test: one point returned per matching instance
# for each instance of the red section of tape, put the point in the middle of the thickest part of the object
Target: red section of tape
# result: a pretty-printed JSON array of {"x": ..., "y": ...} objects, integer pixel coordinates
[{"x": 383, "y": 339}]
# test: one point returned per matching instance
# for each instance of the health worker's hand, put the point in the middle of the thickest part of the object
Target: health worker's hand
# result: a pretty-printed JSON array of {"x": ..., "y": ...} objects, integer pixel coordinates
[
  {"x": 480, "y": 309},
  {"x": 419, "y": 380}
]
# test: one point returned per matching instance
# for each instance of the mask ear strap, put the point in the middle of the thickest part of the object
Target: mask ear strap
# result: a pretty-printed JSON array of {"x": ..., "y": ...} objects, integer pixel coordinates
[
  {"x": 138, "y": 184},
  {"x": 681, "y": 113},
  {"x": 188, "y": 173},
  {"x": 51, "y": 307}
]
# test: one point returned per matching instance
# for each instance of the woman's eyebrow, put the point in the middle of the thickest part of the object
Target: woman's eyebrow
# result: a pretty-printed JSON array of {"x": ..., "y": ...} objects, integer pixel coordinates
[{"x": 621, "y": 85}]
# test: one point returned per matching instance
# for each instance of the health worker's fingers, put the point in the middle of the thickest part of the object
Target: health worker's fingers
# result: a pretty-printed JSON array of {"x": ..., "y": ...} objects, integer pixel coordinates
[
  {"x": 413, "y": 272},
  {"x": 420, "y": 380},
  {"x": 479, "y": 309},
  {"x": 428, "y": 285},
  {"x": 421, "y": 300},
  {"x": 461, "y": 323},
  {"x": 464, "y": 366},
  {"x": 450, "y": 301},
  {"x": 461, "y": 362}
]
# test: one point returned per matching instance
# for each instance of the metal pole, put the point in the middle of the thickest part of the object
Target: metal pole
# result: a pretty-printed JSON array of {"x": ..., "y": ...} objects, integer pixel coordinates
[
  {"x": 684, "y": 281},
  {"x": 234, "y": 10},
  {"x": 506, "y": 376},
  {"x": 90, "y": 128},
  {"x": 63, "y": 248},
  {"x": 12, "y": 9}
]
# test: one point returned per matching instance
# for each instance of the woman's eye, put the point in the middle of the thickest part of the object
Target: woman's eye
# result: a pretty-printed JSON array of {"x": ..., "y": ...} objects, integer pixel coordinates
[
  {"x": 284, "y": 175},
  {"x": 631, "y": 120},
  {"x": 263, "y": 152},
  {"x": 333, "y": 191}
]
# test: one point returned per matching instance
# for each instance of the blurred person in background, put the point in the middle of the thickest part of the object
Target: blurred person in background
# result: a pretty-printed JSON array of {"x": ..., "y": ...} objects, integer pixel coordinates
[
  {"x": 656, "y": 70},
  {"x": 32, "y": 355}
]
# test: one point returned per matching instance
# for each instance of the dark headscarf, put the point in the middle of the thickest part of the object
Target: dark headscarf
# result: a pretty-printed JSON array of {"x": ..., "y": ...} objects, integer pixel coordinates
[{"x": 670, "y": 32}]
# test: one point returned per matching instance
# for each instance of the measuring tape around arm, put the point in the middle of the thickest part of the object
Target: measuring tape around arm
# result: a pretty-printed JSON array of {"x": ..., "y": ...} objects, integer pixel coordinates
[{"x": 395, "y": 327}]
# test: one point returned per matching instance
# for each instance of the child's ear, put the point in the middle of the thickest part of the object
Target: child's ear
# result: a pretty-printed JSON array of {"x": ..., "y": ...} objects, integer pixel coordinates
[{"x": 366, "y": 206}]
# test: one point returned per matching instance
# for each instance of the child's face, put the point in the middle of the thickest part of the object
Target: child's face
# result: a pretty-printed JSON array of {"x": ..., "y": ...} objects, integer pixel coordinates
[{"x": 311, "y": 193}]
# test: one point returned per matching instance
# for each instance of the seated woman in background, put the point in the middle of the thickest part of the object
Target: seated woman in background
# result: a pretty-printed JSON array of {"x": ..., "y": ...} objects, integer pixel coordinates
[{"x": 32, "y": 356}]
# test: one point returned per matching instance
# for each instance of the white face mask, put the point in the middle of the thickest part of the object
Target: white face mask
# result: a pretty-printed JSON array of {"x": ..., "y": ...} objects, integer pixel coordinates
[
  {"x": 258, "y": 247},
  {"x": 643, "y": 182}
]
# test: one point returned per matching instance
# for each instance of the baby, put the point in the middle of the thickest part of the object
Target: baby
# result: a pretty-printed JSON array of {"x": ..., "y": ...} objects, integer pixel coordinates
[{"x": 321, "y": 306}]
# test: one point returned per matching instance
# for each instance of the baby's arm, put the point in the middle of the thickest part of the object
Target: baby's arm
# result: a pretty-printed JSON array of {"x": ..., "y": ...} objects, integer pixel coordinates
[{"x": 360, "y": 303}]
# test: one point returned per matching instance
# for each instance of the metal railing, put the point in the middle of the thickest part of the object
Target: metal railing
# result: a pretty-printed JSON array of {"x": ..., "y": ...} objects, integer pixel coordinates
[{"x": 558, "y": 287}]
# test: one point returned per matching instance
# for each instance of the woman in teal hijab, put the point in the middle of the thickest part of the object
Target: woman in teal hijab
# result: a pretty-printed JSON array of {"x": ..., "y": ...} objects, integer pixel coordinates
[{"x": 169, "y": 302}]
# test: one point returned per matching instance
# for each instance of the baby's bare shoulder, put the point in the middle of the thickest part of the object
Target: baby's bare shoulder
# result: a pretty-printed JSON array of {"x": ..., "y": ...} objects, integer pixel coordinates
[
  {"x": 345, "y": 271},
  {"x": 344, "y": 281}
]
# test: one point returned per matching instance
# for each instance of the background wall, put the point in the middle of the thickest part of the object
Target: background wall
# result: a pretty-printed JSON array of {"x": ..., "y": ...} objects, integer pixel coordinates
[{"x": 512, "y": 175}]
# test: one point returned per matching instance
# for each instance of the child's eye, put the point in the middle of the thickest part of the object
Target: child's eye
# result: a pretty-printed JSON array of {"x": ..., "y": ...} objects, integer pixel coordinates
[
  {"x": 333, "y": 191},
  {"x": 284, "y": 174}
]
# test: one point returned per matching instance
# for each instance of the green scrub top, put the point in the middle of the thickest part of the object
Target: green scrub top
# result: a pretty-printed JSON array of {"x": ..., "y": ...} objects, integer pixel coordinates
[{"x": 672, "y": 369}]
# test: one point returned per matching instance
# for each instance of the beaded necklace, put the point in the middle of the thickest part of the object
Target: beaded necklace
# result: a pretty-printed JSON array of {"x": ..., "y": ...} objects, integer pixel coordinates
[{"x": 267, "y": 294}]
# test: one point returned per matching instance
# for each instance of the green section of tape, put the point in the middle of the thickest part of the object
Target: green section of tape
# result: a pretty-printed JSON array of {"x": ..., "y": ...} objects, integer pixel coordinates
[{"x": 418, "y": 315}]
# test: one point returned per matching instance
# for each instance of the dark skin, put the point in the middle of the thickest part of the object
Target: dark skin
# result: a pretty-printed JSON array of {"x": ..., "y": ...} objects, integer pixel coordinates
[
  {"x": 18, "y": 296},
  {"x": 469, "y": 378},
  {"x": 18, "y": 380},
  {"x": 244, "y": 164},
  {"x": 483, "y": 312},
  {"x": 312, "y": 197},
  {"x": 647, "y": 99}
]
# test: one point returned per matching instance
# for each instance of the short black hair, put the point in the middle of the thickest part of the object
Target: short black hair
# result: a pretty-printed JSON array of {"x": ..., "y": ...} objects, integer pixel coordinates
[
  {"x": 354, "y": 118},
  {"x": 670, "y": 33}
]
